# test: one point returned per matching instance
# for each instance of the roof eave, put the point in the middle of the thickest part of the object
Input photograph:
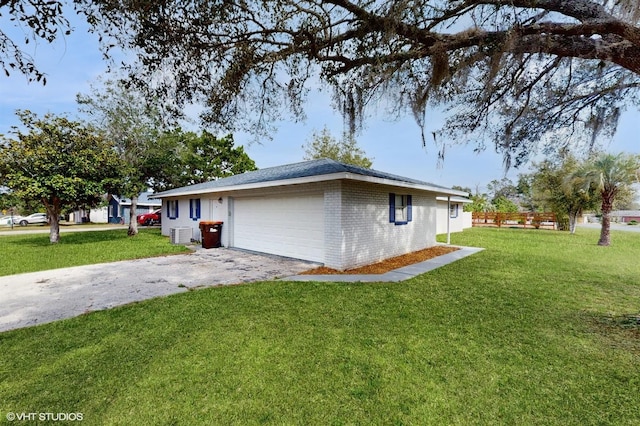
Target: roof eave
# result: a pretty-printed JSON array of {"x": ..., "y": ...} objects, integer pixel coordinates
[{"x": 456, "y": 199}]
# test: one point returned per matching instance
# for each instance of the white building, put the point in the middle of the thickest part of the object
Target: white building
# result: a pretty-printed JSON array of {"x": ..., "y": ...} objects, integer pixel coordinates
[{"x": 324, "y": 211}]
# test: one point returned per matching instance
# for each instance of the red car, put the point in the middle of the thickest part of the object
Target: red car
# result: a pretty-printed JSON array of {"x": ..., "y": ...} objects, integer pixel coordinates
[{"x": 149, "y": 219}]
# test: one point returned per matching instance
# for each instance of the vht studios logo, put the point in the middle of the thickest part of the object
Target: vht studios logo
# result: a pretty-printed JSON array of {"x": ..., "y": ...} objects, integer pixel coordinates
[{"x": 44, "y": 417}]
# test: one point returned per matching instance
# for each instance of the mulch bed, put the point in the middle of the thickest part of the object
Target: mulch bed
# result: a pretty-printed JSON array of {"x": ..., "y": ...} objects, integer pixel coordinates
[{"x": 387, "y": 265}]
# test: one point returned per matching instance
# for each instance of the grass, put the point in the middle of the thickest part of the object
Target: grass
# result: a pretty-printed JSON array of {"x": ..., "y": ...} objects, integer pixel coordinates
[
  {"x": 533, "y": 330},
  {"x": 34, "y": 252}
]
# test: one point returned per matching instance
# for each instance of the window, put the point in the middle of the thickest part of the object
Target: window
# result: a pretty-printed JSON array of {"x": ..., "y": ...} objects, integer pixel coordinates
[
  {"x": 194, "y": 208},
  {"x": 172, "y": 209},
  {"x": 453, "y": 210},
  {"x": 400, "y": 209}
]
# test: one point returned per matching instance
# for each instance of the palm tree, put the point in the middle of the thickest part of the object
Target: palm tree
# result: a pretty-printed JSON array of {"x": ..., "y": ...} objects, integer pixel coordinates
[{"x": 610, "y": 173}]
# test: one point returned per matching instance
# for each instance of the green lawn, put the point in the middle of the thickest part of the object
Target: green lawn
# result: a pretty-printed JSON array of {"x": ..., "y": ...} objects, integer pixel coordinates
[
  {"x": 34, "y": 252},
  {"x": 530, "y": 331}
]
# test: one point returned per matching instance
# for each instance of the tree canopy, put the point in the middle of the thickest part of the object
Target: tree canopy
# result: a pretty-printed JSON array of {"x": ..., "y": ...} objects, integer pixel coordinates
[
  {"x": 60, "y": 163},
  {"x": 42, "y": 20},
  {"x": 524, "y": 75},
  {"x": 323, "y": 145},
  {"x": 200, "y": 158},
  {"x": 133, "y": 124},
  {"x": 152, "y": 153},
  {"x": 561, "y": 185}
]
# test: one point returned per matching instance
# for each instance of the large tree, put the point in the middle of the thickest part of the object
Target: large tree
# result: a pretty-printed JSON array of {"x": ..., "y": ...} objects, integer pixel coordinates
[
  {"x": 323, "y": 145},
  {"x": 560, "y": 184},
  {"x": 198, "y": 158},
  {"x": 134, "y": 125},
  {"x": 524, "y": 74},
  {"x": 611, "y": 173},
  {"x": 59, "y": 162}
]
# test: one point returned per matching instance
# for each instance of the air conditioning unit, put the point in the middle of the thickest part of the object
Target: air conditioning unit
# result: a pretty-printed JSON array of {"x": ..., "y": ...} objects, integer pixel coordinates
[{"x": 181, "y": 235}]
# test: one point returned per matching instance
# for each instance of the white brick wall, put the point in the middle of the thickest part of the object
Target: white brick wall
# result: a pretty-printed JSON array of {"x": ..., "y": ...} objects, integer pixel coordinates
[
  {"x": 357, "y": 227},
  {"x": 366, "y": 234},
  {"x": 333, "y": 233},
  {"x": 183, "y": 219}
]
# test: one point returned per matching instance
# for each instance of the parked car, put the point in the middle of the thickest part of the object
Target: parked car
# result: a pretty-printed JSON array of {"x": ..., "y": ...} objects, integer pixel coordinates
[
  {"x": 8, "y": 220},
  {"x": 32, "y": 219},
  {"x": 149, "y": 219}
]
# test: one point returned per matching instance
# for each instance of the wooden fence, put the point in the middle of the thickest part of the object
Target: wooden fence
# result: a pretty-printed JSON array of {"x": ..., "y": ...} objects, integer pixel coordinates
[{"x": 546, "y": 220}]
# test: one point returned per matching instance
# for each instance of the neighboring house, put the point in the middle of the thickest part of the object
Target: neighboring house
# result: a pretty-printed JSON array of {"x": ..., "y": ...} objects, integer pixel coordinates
[
  {"x": 451, "y": 213},
  {"x": 625, "y": 215},
  {"x": 324, "y": 211},
  {"x": 621, "y": 216},
  {"x": 117, "y": 209}
]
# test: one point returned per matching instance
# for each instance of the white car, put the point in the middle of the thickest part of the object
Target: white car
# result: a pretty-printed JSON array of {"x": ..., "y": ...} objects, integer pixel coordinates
[
  {"x": 9, "y": 220},
  {"x": 35, "y": 218}
]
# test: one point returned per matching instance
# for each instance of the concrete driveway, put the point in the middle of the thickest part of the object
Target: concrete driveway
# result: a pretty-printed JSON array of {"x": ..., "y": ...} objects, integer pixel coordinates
[{"x": 41, "y": 297}]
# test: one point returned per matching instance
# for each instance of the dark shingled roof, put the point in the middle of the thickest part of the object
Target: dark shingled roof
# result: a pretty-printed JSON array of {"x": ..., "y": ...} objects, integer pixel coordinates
[{"x": 292, "y": 171}]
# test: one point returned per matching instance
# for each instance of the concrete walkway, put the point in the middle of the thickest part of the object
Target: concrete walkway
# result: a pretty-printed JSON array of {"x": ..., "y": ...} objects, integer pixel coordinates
[{"x": 396, "y": 275}]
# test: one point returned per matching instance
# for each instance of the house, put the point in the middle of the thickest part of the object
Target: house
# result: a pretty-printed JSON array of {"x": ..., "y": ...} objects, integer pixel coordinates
[
  {"x": 118, "y": 208},
  {"x": 451, "y": 214},
  {"x": 616, "y": 216},
  {"x": 626, "y": 216},
  {"x": 321, "y": 210}
]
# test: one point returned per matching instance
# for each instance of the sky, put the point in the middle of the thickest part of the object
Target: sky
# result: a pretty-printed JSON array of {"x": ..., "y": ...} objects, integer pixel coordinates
[{"x": 73, "y": 63}]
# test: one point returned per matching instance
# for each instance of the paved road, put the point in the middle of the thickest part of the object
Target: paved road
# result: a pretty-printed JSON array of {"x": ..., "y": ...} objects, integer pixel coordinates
[
  {"x": 41, "y": 297},
  {"x": 614, "y": 227},
  {"x": 18, "y": 230}
]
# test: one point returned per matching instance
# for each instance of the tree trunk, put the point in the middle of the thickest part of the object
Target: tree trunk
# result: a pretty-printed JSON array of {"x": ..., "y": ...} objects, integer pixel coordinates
[
  {"x": 573, "y": 218},
  {"x": 605, "y": 230},
  {"x": 53, "y": 211},
  {"x": 54, "y": 229},
  {"x": 133, "y": 223}
]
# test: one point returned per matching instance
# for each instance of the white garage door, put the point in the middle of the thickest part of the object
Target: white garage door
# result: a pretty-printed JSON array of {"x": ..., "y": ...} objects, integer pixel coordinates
[{"x": 290, "y": 226}]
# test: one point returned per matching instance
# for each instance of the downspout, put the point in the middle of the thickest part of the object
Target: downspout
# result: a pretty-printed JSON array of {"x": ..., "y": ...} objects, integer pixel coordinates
[{"x": 448, "y": 219}]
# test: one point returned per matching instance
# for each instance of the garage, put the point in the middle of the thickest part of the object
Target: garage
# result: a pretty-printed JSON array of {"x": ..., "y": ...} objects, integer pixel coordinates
[
  {"x": 320, "y": 210},
  {"x": 291, "y": 226}
]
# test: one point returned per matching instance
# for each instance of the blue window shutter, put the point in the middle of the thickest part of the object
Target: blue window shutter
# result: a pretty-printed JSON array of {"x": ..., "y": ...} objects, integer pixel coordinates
[
  {"x": 392, "y": 208},
  {"x": 194, "y": 208},
  {"x": 409, "y": 212},
  {"x": 177, "y": 205}
]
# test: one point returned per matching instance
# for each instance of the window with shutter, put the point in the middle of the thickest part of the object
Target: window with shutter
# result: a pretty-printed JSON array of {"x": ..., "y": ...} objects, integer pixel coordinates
[{"x": 400, "y": 209}]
